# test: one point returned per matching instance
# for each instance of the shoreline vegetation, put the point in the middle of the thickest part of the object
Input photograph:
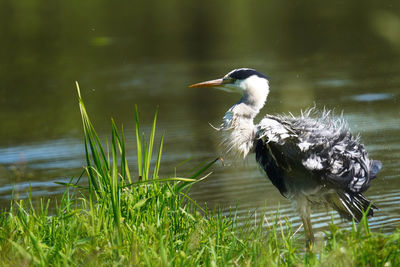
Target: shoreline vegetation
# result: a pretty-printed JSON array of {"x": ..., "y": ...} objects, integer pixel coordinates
[{"x": 145, "y": 220}]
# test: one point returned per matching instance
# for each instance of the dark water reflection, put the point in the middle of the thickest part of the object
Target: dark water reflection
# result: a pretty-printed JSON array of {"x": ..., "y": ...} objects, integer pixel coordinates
[{"x": 342, "y": 56}]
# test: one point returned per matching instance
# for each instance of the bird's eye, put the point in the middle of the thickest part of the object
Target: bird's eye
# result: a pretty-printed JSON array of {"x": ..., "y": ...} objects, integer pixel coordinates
[{"x": 229, "y": 80}]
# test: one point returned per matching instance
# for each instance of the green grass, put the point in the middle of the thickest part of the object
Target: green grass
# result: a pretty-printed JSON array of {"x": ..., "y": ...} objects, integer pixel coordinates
[{"x": 125, "y": 217}]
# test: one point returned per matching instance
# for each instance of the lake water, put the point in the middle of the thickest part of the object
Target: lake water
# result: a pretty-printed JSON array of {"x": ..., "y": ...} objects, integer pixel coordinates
[{"x": 344, "y": 57}]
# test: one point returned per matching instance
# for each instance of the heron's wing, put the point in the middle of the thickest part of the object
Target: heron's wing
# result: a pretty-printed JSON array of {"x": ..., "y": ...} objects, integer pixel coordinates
[
  {"x": 324, "y": 147},
  {"x": 274, "y": 151}
]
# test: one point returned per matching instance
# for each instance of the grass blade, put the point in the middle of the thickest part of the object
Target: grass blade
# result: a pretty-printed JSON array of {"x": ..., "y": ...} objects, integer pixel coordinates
[
  {"x": 114, "y": 180},
  {"x": 138, "y": 143},
  {"x": 151, "y": 144},
  {"x": 158, "y": 162},
  {"x": 198, "y": 173}
]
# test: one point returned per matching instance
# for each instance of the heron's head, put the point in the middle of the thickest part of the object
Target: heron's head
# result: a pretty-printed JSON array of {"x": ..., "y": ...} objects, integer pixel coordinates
[{"x": 252, "y": 84}]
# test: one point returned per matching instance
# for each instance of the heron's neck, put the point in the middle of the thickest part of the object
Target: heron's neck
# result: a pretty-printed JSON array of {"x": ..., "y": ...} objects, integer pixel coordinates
[{"x": 238, "y": 128}]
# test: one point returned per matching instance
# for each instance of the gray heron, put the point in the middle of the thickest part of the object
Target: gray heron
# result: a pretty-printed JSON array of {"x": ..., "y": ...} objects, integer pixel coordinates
[{"x": 312, "y": 159}]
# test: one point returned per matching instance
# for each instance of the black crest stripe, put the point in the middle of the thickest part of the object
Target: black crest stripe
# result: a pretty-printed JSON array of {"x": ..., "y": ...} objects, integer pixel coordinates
[{"x": 241, "y": 74}]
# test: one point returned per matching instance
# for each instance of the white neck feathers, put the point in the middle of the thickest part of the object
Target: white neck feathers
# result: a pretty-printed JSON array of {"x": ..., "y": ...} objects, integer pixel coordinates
[{"x": 237, "y": 127}]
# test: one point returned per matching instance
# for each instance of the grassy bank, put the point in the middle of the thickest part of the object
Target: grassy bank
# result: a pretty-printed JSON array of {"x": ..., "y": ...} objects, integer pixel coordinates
[{"x": 137, "y": 218}]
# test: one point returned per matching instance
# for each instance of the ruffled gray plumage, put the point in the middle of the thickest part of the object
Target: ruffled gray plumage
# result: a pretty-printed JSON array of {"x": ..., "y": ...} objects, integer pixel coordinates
[{"x": 316, "y": 155}]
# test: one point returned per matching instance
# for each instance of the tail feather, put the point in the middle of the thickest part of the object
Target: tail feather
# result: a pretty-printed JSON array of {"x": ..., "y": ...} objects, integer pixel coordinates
[{"x": 351, "y": 205}]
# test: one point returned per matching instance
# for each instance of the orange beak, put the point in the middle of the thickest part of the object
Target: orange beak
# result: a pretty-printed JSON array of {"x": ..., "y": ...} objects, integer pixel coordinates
[{"x": 212, "y": 83}]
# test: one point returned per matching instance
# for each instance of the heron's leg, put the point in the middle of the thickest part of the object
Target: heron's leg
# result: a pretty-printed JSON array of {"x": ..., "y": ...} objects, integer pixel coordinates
[
  {"x": 304, "y": 207},
  {"x": 308, "y": 230}
]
